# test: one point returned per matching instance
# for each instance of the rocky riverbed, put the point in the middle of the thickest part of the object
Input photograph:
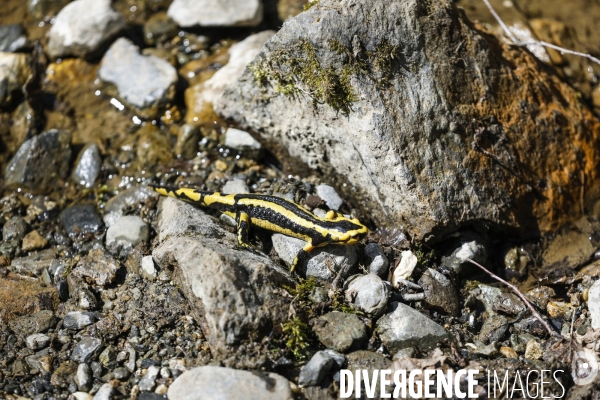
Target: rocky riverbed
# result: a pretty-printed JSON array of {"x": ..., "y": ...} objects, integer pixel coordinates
[{"x": 417, "y": 117}]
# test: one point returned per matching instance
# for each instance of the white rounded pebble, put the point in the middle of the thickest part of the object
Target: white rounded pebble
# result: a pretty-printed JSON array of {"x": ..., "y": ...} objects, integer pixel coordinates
[
  {"x": 240, "y": 140},
  {"x": 404, "y": 270},
  {"x": 148, "y": 268}
]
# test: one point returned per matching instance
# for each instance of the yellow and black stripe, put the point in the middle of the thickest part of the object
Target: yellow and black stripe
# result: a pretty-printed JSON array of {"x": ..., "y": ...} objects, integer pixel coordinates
[{"x": 277, "y": 215}]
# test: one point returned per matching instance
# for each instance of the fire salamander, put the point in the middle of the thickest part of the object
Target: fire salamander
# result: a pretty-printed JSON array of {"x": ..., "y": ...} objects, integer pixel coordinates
[{"x": 277, "y": 215}]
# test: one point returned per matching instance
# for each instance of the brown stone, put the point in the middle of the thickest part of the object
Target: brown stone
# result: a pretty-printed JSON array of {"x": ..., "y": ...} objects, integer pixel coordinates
[
  {"x": 20, "y": 296},
  {"x": 34, "y": 241}
]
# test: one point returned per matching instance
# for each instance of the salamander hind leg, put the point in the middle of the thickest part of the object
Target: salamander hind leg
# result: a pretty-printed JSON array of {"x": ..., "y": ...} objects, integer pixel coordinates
[{"x": 301, "y": 256}]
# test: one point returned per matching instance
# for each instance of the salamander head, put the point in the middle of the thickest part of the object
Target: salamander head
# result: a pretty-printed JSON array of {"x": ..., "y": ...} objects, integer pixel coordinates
[{"x": 345, "y": 230}]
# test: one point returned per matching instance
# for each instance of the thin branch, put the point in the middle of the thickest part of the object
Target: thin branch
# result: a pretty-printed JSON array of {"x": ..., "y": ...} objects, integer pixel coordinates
[
  {"x": 518, "y": 293},
  {"x": 536, "y": 42}
]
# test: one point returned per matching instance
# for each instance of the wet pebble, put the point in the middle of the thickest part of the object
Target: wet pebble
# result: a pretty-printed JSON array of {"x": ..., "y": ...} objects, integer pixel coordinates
[
  {"x": 142, "y": 81},
  {"x": 33, "y": 241},
  {"x": 148, "y": 268},
  {"x": 83, "y": 28},
  {"x": 38, "y": 322},
  {"x": 12, "y": 38},
  {"x": 14, "y": 229},
  {"x": 83, "y": 377},
  {"x": 188, "y": 13},
  {"x": 125, "y": 234},
  {"x": 78, "y": 320},
  {"x": 376, "y": 260},
  {"x": 242, "y": 141},
  {"x": 594, "y": 304},
  {"x": 127, "y": 200},
  {"x": 340, "y": 331},
  {"x": 406, "y": 327},
  {"x": 87, "y": 166},
  {"x": 147, "y": 382},
  {"x": 368, "y": 293},
  {"x": 81, "y": 220},
  {"x": 14, "y": 71},
  {"x": 330, "y": 196},
  {"x": 315, "y": 370},
  {"x": 440, "y": 292},
  {"x": 319, "y": 261},
  {"x": 37, "y": 341},
  {"x": 216, "y": 383},
  {"x": 405, "y": 268},
  {"x": 540, "y": 296},
  {"x": 86, "y": 349},
  {"x": 235, "y": 186}
]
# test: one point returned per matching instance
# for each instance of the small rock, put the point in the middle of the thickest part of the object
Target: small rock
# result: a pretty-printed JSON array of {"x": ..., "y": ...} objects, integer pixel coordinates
[
  {"x": 125, "y": 234},
  {"x": 594, "y": 304},
  {"x": 508, "y": 352},
  {"x": 105, "y": 392},
  {"x": 121, "y": 373},
  {"x": 148, "y": 268},
  {"x": 516, "y": 262},
  {"x": 440, "y": 292},
  {"x": 187, "y": 141},
  {"x": 33, "y": 241},
  {"x": 33, "y": 264},
  {"x": 14, "y": 71},
  {"x": 82, "y": 396},
  {"x": 406, "y": 327},
  {"x": 146, "y": 384},
  {"x": 496, "y": 300},
  {"x": 318, "y": 263},
  {"x": 369, "y": 361},
  {"x": 87, "y": 300},
  {"x": 83, "y": 27},
  {"x": 78, "y": 320},
  {"x": 12, "y": 38},
  {"x": 408, "y": 262},
  {"x": 315, "y": 370},
  {"x": 87, "y": 166},
  {"x": 127, "y": 200},
  {"x": 471, "y": 246},
  {"x": 368, "y": 293},
  {"x": 235, "y": 186},
  {"x": 40, "y": 161},
  {"x": 489, "y": 351},
  {"x": 558, "y": 309},
  {"x": 142, "y": 81},
  {"x": 242, "y": 141},
  {"x": 14, "y": 229},
  {"x": 63, "y": 375},
  {"x": 533, "y": 351},
  {"x": 188, "y": 13},
  {"x": 330, "y": 197},
  {"x": 216, "y": 383},
  {"x": 81, "y": 220},
  {"x": 494, "y": 328},
  {"x": 376, "y": 260},
  {"x": 83, "y": 378},
  {"x": 97, "y": 267},
  {"x": 340, "y": 331},
  {"x": 86, "y": 349},
  {"x": 338, "y": 358},
  {"x": 29, "y": 324},
  {"x": 37, "y": 341},
  {"x": 572, "y": 249},
  {"x": 540, "y": 296}
]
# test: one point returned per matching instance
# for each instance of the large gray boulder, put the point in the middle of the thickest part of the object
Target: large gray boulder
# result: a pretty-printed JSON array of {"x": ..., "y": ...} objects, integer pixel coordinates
[{"x": 433, "y": 123}]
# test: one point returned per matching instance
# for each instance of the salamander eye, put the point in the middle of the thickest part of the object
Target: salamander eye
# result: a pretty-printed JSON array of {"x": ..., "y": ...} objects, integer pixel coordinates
[{"x": 331, "y": 215}]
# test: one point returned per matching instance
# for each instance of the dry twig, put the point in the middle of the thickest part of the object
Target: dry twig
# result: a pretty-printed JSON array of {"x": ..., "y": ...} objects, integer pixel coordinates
[{"x": 518, "y": 293}]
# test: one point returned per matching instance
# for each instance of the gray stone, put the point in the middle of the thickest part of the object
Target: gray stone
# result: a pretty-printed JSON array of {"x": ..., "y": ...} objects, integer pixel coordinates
[
  {"x": 142, "y": 81},
  {"x": 14, "y": 71},
  {"x": 33, "y": 264},
  {"x": 83, "y": 378},
  {"x": 242, "y": 141},
  {"x": 496, "y": 300},
  {"x": 376, "y": 260},
  {"x": 128, "y": 200},
  {"x": 322, "y": 263},
  {"x": 146, "y": 384},
  {"x": 370, "y": 361},
  {"x": 78, "y": 319},
  {"x": 493, "y": 330},
  {"x": 594, "y": 304},
  {"x": 406, "y": 327},
  {"x": 41, "y": 361},
  {"x": 469, "y": 246},
  {"x": 368, "y": 293},
  {"x": 235, "y": 186},
  {"x": 315, "y": 370},
  {"x": 234, "y": 289},
  {"x": 39, "y": 322},
  {"x": 216, "y": 383},
  {"x": 121, "y": 373},
  {"x": 97, "y": 267},
  {"x": 338, "y": 358},
  {"x": 340, "y": 331},
  {"x": 105, "y": 392},
  {"x": 12, "y": 38},
  {"x": 187, "y": 141},
  {"x": 188, "y": 13},
  {"x": 330, "y": 197},
  {"x": 389, "y": 67},
  {"x": 37, "y": 341},
  {"x": 81, "y": 220},
  {"x": 87, "y": 166},
  {"x": 86, "y": 349},
  {"x": 83, "y": 28},
  {"x": 125, "y": 234},
  {"x": 40, "y": 161},
  {"x": 440, "y": 293},
  {"x": 148, "y": 268},
  {"x": 14, "y": 229}
]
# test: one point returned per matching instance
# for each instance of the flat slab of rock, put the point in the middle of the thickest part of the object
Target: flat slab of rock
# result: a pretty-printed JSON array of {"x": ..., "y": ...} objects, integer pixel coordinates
[
  {"x": 232, "y": 290},
  {"x": 409, "y": 78},
  {"x": 142, "y": 81},
  {"x": 216, "y": 383},
  {"x": 83, "y": 27},
  {"x": 340, "y": 331},
  {"x": 406, "y": 327},
  {"x": 189, "y": 13}
]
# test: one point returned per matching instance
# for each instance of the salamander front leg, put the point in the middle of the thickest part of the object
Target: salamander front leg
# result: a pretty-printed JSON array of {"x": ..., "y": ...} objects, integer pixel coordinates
[
  {"x": 301, "y": 256},
  {"x": 243, "y": 227}
]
